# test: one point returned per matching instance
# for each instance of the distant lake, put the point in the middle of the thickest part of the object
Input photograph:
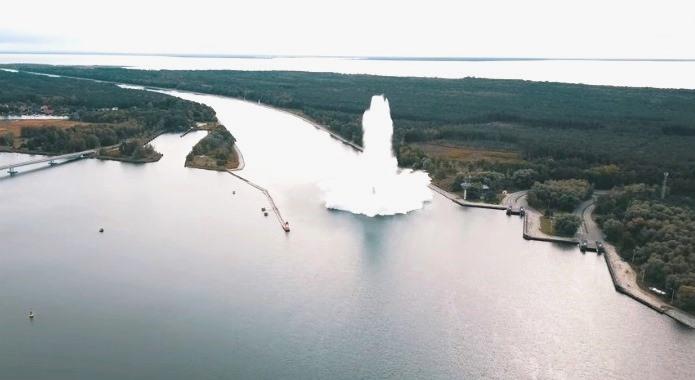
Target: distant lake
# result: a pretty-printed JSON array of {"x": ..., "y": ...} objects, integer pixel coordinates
[
  {"x": 191, "y": 281},
  {"x": 663, "y": 74}
]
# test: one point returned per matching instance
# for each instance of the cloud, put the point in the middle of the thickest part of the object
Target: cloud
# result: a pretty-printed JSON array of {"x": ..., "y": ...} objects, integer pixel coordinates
[
  {"x": 495, "y": 28},
  {"x": 14, "y": 37}
]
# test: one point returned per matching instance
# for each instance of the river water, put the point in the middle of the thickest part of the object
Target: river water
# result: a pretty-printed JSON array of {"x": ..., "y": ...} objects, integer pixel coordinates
[{"x": 190, "y": 280}]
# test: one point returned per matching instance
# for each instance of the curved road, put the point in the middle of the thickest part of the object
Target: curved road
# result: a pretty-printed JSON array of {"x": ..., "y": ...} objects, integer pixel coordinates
[{"x": 589, "y": 230}]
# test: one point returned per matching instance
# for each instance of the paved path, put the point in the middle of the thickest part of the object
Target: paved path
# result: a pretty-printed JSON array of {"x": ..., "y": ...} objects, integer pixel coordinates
[{"x": 589, "y": 230}]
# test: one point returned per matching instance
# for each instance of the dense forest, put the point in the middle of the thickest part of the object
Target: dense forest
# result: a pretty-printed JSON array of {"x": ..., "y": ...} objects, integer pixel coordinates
[
  {"x": 657, "y": 236},
  {"x": 607, "y": 135},
  {"x": 105, "y": 114}
]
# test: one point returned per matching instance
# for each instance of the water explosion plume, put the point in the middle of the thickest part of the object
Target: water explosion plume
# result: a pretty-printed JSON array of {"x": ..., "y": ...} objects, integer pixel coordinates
[{"x": 377, "y": 186}]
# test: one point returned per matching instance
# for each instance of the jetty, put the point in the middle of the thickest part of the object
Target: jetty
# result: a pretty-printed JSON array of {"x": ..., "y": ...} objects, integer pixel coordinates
[
  {"x": 456, "y": 199},
  {"x": 547, "y": 238},
  {"x": 283, "y": 223}
]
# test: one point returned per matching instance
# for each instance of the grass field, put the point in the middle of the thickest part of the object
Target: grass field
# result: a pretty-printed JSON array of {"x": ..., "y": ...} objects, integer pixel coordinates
[
  {"x": 547, "y": 226},
  {"x": 467, "y": 154},
  {"x": 15, "y": 126}
]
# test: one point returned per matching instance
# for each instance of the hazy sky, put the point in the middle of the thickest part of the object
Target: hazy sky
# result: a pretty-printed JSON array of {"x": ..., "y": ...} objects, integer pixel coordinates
[{"x": 481, "y": 28}]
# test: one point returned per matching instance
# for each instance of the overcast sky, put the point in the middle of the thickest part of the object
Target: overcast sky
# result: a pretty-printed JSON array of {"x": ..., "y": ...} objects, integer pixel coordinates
[{"x": 482, "y": 28}]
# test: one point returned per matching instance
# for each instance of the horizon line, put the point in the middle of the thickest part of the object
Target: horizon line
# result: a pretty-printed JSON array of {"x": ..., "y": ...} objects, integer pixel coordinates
[{"x": 355, "y": 57}]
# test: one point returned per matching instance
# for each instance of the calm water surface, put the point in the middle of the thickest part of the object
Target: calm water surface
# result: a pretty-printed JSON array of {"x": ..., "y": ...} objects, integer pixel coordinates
[{"x": 191, "y": 281}]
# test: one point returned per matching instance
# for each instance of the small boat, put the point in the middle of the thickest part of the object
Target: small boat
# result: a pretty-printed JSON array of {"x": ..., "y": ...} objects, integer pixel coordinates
[
  {"x": 286, "y": 226},
  {"x": 263, "y": 209},
  {"x": 101, "y": 230},
  {"x": 31, "y": 314},
  {"x": 265, "y": 214}
]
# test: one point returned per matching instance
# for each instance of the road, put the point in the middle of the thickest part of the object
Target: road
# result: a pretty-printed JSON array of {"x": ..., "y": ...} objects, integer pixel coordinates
[
  {"x": 516, "y": 199},
  {"x": 48, "y": 159},
  {"x": 589, "y": 229}
]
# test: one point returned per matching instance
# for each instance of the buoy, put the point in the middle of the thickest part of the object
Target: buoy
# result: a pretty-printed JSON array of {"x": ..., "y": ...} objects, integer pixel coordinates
[
  {"x": 265, "y": 214},
  {"x": 263, "y": 209},
  {"x": 101, "y": 230}
]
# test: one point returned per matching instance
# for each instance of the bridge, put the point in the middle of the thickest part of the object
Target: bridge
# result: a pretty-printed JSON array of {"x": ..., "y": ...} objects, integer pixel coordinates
[{"x": 12, "y": 168}]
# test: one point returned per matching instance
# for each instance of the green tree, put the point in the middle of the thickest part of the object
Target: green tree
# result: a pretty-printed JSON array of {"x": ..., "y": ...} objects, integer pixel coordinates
[
  {"x": 524, "y": 178},
  {"x": 686, "y": 297},
  {"x": 614, "y": 230},
  {"x": 566, "y": 224},
  {"x": 654, "y": 271},
  {"x": 7, "y": 139}
]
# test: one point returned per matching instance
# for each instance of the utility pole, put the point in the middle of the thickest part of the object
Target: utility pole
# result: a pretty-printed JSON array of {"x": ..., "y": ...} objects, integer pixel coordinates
[
  {"x": 465, "y": 185},
  {"x": 663, "y": 186}
]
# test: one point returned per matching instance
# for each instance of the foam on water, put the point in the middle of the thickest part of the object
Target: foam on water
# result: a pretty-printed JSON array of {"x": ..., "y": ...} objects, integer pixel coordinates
[{"x": 376, "y": 186}]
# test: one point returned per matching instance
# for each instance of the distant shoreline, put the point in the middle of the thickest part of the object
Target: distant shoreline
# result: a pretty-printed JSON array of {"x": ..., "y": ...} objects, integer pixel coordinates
[{"x": 356, "y": 57}]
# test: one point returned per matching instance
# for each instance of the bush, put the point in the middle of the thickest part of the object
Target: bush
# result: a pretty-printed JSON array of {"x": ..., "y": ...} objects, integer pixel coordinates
[
  {"x": 686, "y": 297},
  {"x": 562, "y": 195},
  {"x": 566, "y": 224},
  {"x": 7, "y": 139},
  {"x": 524, "y": 178}
]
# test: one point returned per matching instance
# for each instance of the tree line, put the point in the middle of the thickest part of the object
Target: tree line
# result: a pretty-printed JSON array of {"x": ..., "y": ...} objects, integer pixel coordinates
[{"x": 113, "y": 114}]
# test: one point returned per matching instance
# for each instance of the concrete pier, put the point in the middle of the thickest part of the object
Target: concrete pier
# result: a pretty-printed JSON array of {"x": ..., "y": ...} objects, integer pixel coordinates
[{"x": 283, "y": 223}]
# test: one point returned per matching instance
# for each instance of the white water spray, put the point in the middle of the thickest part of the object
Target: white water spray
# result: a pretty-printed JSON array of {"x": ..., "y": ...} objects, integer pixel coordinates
[{"x": 377, "y": 186}]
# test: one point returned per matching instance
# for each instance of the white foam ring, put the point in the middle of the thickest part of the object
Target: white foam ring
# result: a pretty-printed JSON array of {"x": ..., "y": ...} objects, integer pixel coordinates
[{"x": 376, "y": 186}]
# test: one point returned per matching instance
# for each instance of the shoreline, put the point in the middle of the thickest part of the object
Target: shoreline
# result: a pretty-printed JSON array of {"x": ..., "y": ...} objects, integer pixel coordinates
[
  {"x": 671, "y": 311},
  {"x": 315, "y": 124},
  {"x": 130, "y": 160},
  {"x": 623, "y": 276}
]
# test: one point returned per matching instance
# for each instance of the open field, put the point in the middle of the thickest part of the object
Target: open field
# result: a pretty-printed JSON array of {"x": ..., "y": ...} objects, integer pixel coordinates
[
  {"x": 15, "y": 126},
  {"x": 467, "y": 154}
]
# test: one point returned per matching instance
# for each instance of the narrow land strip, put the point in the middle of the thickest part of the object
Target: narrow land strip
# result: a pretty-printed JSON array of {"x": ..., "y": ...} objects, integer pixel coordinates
[{"x": 283, "y": 223}]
